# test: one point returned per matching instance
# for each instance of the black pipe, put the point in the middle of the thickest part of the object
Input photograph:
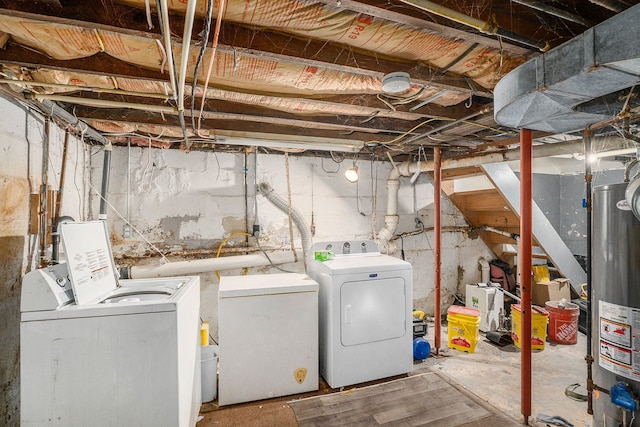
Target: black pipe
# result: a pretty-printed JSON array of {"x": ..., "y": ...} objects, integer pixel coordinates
[
  {"x": 55, "y": 237},
  {"x": 588, "y": 178},
  {"x": 106, "y": 168},
  {"x": 479, "y": 112}
]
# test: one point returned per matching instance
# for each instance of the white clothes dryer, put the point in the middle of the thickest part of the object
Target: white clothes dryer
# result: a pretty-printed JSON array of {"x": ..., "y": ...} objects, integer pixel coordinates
[
  {"x": 365, "y": 309},
  {"x": 98, "y": 352}
]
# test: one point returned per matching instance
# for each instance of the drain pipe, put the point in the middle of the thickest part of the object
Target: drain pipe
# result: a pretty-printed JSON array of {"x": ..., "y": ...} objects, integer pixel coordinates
[
  {"x": 190, "y": 267},
  {"x": 485, "y": 275},
  {"x": 305, "y": 234},
  {"x": 391, "y": 219},
  {"x": 588, "y": 133},
  {"x": 106, "y": 173}
]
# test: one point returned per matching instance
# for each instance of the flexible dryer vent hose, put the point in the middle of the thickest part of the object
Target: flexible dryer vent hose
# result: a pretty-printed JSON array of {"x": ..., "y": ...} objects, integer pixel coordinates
[{"x": 305, "y": 233}]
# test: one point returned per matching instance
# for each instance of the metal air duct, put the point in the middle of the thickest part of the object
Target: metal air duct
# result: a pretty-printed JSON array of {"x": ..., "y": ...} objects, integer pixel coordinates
[{"x": 546, "y": 92}]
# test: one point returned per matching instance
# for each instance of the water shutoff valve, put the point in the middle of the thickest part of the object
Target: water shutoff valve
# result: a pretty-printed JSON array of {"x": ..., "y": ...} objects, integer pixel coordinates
[{"x": 621, "y": 396}]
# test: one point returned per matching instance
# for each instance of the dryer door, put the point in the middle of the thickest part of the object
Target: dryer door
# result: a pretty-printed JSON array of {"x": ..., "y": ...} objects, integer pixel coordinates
[{"x": 372, "y": 310}]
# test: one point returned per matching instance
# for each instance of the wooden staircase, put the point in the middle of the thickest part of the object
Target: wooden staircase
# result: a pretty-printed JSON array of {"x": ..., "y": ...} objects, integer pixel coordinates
[
  {"x": 488, "y": 214},
  {"x": 494, "y": 215}
]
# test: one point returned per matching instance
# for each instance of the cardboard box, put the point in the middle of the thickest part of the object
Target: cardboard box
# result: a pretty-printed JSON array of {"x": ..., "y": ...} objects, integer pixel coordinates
[{"x": 553, "y": 290}]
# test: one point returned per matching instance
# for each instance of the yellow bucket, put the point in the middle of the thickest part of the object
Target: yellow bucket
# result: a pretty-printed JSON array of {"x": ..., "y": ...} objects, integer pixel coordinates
[
  {"x": 539, "y": 319},
  {"x": 463, "y": 323}
]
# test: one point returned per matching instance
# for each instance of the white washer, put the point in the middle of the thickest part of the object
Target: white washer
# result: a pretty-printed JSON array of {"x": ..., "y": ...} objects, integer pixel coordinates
[
  {"x": 129, "y": 356},
  {"x": 365, "y": 307},
  {"x": 268, "y": 336}
]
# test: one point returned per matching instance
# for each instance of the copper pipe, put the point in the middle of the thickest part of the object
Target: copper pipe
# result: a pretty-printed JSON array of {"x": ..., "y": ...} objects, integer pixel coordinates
[
  {"x": 44, "y": 192},
  {"x": 524, "y": 265},
  {"x": 63, "y": 169},
  {"x": 214, "y": 46},
  {"x": 437, "y": 236}
]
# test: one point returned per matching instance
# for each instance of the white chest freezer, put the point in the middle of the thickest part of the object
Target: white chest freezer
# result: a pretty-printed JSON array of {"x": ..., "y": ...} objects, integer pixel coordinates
[{"x": 268, "y": 336}]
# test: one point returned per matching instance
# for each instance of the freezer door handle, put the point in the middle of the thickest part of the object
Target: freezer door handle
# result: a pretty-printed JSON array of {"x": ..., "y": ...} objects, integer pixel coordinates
[{"x": 347, "y": 314}]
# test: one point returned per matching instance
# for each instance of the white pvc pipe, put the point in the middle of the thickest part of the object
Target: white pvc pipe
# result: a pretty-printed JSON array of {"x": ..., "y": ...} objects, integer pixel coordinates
[
  {"x": 182, "y": 268},
  {"x": 186, "y": 42},
  {"x": 485, "y": 275},
  {"x": 166, "y": 34}
]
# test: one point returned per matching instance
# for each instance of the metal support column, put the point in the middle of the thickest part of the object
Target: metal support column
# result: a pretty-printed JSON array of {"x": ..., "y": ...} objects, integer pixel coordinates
[
  {"x": 524, "y": 268},
  {"x": 437, "y": 236},
  {"x": 588, "y": 134}
]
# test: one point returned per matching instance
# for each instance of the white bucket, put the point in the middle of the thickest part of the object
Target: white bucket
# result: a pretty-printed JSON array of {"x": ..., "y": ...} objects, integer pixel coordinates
[{"x": 208, "y": 371}]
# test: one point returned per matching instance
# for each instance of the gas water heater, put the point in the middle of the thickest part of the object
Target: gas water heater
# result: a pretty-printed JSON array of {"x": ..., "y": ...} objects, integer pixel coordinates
[{"x": 615, "y": 306}]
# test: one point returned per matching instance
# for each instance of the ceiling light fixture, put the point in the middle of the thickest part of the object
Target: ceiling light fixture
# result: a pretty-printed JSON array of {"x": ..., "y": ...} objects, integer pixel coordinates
[
  {"x": 351, "y": 174},
  {"x": 396, "y": 82}
]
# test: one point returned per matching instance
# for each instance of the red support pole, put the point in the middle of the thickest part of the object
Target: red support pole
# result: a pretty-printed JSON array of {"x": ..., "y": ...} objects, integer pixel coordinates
[
  {"x": 437, "y": 236},
  {"x": 524, "y": 268}
]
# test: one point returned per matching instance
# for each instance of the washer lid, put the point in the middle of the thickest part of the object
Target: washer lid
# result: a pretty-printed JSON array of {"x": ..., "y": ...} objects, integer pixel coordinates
[
  {"x": 265, "y": 284},
  {"x": 92, "y": 271}
]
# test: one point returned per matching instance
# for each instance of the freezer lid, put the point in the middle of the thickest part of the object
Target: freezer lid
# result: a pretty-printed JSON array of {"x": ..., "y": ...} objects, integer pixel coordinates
[
  {"x": 265, "y": 284},
  {"x": 92, "y": 271}
]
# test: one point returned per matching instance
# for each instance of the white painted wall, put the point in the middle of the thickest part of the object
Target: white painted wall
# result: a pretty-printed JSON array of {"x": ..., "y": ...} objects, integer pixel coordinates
[
  {"x": 21, "y": 160},
  {"x": 195, "y": 200}
]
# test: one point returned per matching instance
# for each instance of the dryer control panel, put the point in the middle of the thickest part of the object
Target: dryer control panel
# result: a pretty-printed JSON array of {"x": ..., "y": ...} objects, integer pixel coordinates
[{"x": 348, "y": 247}]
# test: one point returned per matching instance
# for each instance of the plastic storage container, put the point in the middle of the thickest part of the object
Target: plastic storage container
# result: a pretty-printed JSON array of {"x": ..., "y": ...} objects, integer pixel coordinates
[
  {"x": 463, "y": 325},
  {"x": 563, "y": 322},
  {"x": 539, "y": 318},
  {"x": 209, "y": 372}
]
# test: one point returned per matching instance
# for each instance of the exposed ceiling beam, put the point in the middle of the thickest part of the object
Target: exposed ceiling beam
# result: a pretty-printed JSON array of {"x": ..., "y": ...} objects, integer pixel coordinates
[{"x": 260, "y": 44}]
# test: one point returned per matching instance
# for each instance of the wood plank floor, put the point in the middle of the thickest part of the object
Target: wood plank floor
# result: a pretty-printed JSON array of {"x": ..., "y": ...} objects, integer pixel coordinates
[{"x": 421, "y": 400}]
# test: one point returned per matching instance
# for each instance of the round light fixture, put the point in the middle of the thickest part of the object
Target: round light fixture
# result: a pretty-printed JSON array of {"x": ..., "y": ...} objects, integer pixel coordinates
[
  {"x": 396, "y": 82},
  {"x": 351, "y": 174}
]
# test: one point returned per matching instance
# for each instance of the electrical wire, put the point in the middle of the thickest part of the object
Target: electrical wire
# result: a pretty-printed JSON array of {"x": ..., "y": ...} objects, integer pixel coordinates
[
  {"x": 224, "y": 242},
  {"x": 205, "y": 38},
  {"x": 409, "y": 131},
  {"x": 163, "y": 258},
  {"x": 269, "y": 259},
  {"x": 222, "y": 5}
]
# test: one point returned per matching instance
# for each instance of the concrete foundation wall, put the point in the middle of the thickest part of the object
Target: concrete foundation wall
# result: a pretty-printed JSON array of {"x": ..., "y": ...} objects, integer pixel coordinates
[
  {"x": 192, "y": 201},
  {"x": 21, "y": 159},
  {"x": 180, "y": 203}
]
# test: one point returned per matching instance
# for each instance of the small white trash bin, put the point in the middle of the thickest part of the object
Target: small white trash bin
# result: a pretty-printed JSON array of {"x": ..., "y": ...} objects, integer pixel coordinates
[{"x": 209, "y": 372}]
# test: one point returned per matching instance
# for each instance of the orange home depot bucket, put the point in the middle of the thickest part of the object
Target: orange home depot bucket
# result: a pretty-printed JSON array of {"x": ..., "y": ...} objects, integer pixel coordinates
[
  {"x": 539, "y": 317},
  {"x": 462, "y": 329},
  {"x": 563, "y": 322}
]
